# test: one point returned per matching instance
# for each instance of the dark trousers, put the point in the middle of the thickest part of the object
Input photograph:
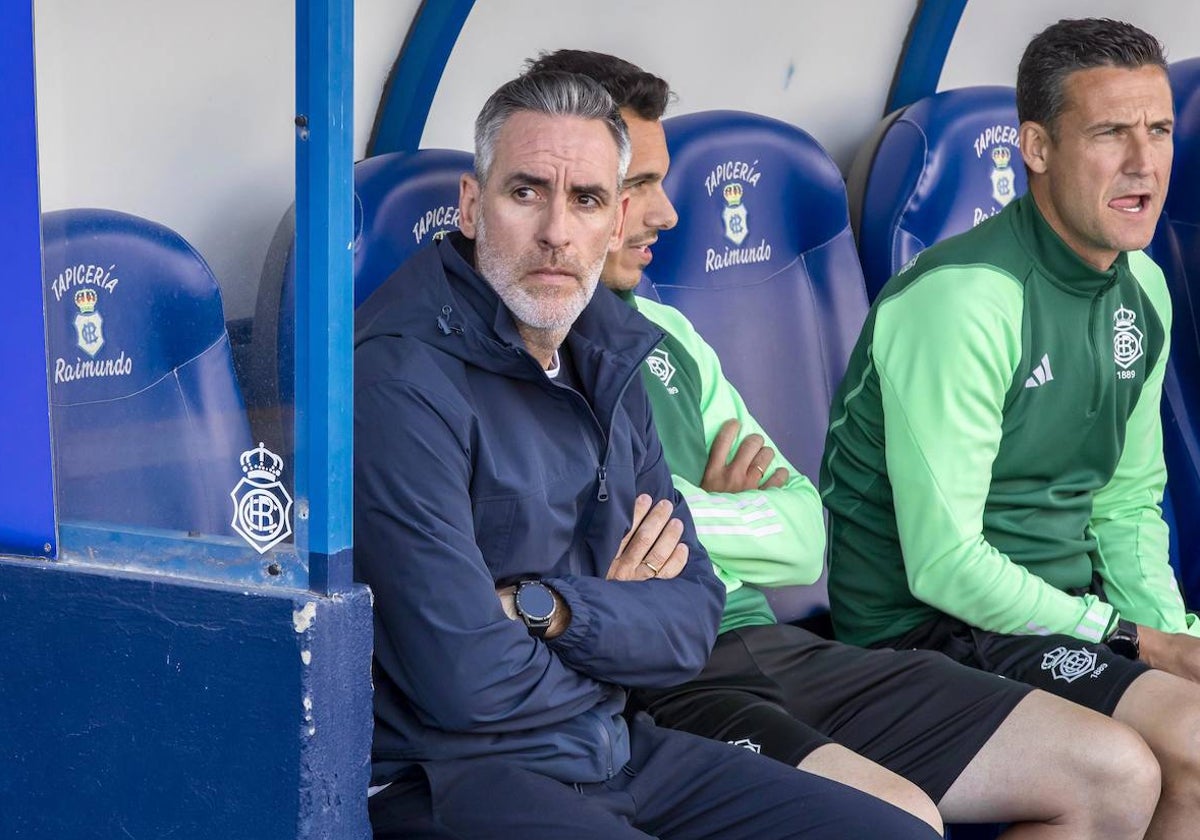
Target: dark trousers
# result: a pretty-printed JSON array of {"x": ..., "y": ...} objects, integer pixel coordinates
[{"x": 675, "y": 786}]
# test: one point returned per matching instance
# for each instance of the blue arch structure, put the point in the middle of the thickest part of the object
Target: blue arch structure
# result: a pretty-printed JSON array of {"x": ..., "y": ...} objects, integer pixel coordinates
[
  {"x": 408, "y": 95},
  {"x": 409, "y": 92},
  {"x": 924, "y": 54}
]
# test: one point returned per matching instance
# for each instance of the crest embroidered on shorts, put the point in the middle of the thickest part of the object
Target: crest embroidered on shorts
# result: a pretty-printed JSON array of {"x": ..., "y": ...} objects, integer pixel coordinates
[{"x": 1069, "y": 665}]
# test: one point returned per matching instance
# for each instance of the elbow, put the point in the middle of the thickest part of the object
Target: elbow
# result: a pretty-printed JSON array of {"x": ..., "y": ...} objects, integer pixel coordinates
[
  {"x": 925, "y": 587},
  {"x": 685, "y": 665},
  {"x": 458, "y": 712},
  {"x": 693, "y": 651},
  {"x": 454, "y": 707}
]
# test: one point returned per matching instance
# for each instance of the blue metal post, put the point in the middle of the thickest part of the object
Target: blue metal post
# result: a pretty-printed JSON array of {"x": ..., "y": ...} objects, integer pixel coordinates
[
  {"x": 324, "y": 288},
  {"x": 924, "y": 54},
  {"x": 26, "y": 496},
  {"x": 404, "y": 108}
]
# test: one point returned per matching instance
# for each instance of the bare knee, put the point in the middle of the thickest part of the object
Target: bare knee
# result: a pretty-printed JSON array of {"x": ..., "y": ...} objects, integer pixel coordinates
[
  {"x": 1125, "y": 781},
  {"x": 1113, "y": 780},
  {"x": 908, "y": 797},
  {"x": 1179, "y": 755}
]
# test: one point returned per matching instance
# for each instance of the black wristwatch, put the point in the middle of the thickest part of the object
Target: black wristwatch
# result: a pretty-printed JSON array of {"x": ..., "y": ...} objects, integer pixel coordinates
[
  {"x": 535, "y": 605},
  {"x": 1123, "y": 640}
]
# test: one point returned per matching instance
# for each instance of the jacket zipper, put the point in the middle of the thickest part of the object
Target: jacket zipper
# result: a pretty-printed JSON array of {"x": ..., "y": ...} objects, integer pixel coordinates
[
  {"x": 1094, "y": 404},
  {"x": 602, "y": 494}
]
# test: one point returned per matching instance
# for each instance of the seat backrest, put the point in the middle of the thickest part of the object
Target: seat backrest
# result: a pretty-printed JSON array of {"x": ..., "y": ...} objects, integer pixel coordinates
[
  {"x": 1183, "y": 200},
  {"x": 402, "y": 201},
  {"x": 935, "y": 168},
  {"x": 1177, "y": 249},
  {"x": 763, "y": 263},
  {"x": 149, "y": 423}
]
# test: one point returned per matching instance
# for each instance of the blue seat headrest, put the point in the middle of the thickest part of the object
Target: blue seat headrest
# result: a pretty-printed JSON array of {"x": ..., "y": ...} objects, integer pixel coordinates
[
  {"x": 402, "y": 201},
  {"x": 938, "y": 168},
  {"x": 148, "y": 420},
  {"x": 1183, "y": 198},
  {"x": 763, "y": 263},
  {"x": 128, "y": 301},
  {"x": 1176, "y": 249}
]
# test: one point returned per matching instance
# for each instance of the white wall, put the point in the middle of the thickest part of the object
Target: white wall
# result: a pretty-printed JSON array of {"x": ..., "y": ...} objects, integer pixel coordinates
[
  {"x": 991, "y": 36},
  {"x": 181, "y": 111},
  {"x": 823, "y": 66}
]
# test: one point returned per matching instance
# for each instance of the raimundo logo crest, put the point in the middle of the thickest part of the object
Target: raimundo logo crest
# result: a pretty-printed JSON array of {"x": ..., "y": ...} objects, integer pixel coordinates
[
  {"x": 1004, "y": 182},
  {"x": 734, "y": 178},
  {"x": 737, "y": 220},
  {"x": 88, "y": 281},
  {"x": 998, "y": 143},
  {"x": 89, "y": 326}
]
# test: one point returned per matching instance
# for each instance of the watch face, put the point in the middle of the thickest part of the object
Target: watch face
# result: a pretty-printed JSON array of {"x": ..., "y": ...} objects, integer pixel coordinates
[
  {"x": 1124, "y": 646},
  {"x": 1124, "y": 640},
  {"x": 535, "y": 602}
]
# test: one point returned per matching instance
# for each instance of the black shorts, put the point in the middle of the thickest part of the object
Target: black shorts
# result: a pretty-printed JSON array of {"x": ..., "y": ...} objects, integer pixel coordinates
[
  {"x": 1085, "y": 673},
  {"x": 782, "y": 691}
]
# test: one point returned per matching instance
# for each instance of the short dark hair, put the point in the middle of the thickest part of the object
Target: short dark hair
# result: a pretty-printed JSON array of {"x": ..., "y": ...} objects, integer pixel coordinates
[
  {"x": 1071, "y": 45},
  {"x": 629, "y": 85},
  {"x": 554, "y": 94}
]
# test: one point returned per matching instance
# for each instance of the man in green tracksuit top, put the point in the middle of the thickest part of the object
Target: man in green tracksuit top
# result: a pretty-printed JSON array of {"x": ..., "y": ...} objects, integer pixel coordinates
[
  {"x": 994, "y": 463},
  {"x": 911, "y": 727}
]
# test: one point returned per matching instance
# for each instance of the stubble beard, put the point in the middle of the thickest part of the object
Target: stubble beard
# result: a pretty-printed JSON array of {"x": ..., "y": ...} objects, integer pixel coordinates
[{"x": 553, "y": 314}]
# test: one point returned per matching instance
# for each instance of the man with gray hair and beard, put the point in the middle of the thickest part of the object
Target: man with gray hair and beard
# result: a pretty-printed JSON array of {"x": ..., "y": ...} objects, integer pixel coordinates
[{"x": 516, "y": 521}]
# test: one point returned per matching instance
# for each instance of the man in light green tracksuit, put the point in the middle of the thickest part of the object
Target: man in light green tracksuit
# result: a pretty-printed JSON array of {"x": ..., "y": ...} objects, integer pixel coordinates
[
  {"x": 994, "y": 463},
  {"x": 910, "y": 727}
]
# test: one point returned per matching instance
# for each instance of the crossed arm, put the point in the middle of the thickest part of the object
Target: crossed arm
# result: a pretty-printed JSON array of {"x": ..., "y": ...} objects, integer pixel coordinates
[{"x": 445, "y": 638}]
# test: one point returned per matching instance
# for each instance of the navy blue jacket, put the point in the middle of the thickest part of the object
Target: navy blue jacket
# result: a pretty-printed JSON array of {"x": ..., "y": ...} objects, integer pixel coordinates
[{"x": 472, "y": 469}]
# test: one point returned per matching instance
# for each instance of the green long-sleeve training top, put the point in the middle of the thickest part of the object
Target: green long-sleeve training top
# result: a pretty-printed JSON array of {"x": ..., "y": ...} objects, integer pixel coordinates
[
  {"x": 772, "y": 537},
  {"x": 996, "y": 441}
]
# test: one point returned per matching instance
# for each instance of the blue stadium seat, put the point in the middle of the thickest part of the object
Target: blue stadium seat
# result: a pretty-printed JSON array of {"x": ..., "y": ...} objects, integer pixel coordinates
[
  {"x": 1177, "y": 249},
  {"x": 401, "y": 202},
  {"x": 148, "y": 420},
  {"x": 1183, "y": 201},
  {"x": 763, "y": 263},
  {"x": 933, "y": 169}
]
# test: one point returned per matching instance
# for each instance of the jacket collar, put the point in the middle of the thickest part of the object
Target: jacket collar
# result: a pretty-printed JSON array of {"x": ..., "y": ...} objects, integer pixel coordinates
[
  {"x": 439, "y": 298},
  {"x": 1062, "y": 265}
]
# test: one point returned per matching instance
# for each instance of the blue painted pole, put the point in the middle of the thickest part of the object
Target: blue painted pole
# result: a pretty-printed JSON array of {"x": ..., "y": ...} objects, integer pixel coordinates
[
  {"x": 924, "y": 54},
  {"x": 400, "y": 119},
  {"x": 324, "y": 289},
  {"x": 26, "y": 494}
]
